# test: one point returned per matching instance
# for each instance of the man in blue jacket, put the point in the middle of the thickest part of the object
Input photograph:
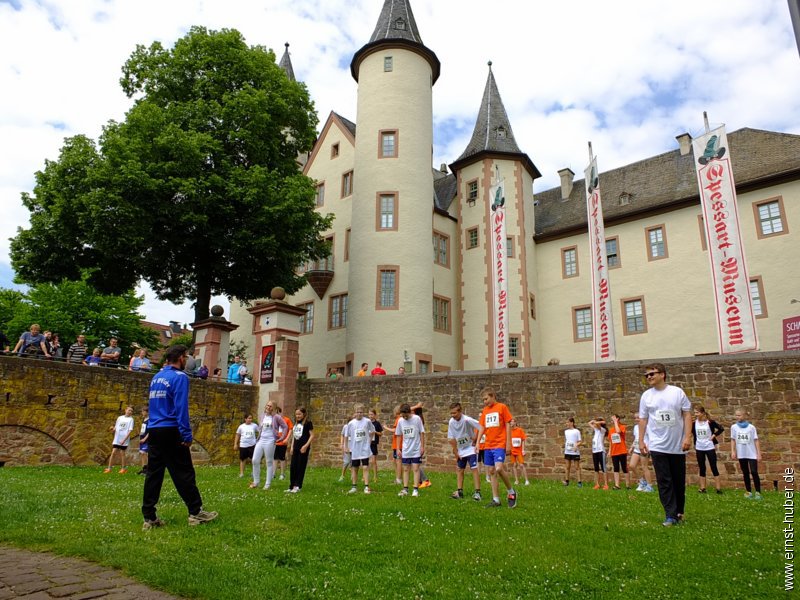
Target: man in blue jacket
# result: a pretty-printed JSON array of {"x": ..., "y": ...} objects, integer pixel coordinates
[
  {"x": 233, "y": 370},
  {"x": 170, "y": 440}
]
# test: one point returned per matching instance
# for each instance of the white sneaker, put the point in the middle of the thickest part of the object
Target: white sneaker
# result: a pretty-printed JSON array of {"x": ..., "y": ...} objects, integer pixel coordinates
[
  {"x": 403, "y": 492},
  {"x": 353, "y": 490},
  {"x": 295, "y": 490},
  {"x": 415, "y": 493},
  {"x": 266, "y": 487},
  {"x": 281, "y": 477},
  {"x": 398, "y": 482},
  {"x": 366, "y": 490},
  {"x": 527, "y": 482},
  {"x": 341, "y": 479},
  {"x": 640, "y": 487},
  {"x": 289, "y": 491}
]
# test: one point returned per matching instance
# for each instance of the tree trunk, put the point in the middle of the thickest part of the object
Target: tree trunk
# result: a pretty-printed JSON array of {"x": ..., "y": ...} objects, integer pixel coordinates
[{"x": 201, "y": 304}]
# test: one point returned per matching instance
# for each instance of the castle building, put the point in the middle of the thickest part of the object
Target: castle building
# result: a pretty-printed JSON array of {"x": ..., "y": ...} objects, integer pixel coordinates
[{"x": 410, "y": 278}]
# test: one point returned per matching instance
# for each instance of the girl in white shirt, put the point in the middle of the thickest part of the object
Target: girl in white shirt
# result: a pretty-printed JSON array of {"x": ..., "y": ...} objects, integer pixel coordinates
[
  {"x": 706, "y": 434},
  {"x": 746, "y": 447}
]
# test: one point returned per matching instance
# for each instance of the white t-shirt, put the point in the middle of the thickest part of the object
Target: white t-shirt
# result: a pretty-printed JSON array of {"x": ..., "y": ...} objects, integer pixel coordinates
[
  {"x": 664, "y": 410},
  {"x": 410, "y": 429},
  {"x": 571, "y": 438},
  {"x": 702, "y": 430},
  {"x": 463, "y": 432},
  {"x": 598, "y": 439},
  {"x": 359, "y": 433},
  {"x": 248, "y": 434},
  {"x": 745, "y": 440},
  {"x": 122, "y": 430}
]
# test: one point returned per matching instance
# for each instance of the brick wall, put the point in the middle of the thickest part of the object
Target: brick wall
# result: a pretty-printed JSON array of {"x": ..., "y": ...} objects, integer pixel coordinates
[
  {"x": 542, "y": 398},
  {"x": 54, "y": 413}
]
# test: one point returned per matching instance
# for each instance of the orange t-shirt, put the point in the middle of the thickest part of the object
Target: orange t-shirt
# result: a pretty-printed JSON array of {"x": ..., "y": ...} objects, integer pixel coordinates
[
  {"x": 286, "y": 439},
  {"x": 494, "y": 419},
  {"x": 517, "y": 437},
  {"x": 394, "y": 437},
  {"x": 618, "y": 440}
]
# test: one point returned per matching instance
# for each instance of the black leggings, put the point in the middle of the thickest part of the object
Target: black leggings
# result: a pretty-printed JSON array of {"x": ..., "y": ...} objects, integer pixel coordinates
[
  {"x": 749, "y": 467},
  {"x": 711, "y": 455}
]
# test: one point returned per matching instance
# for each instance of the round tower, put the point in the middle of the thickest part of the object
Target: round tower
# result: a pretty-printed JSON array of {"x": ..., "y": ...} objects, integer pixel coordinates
[{"x": 391, "y": 271}]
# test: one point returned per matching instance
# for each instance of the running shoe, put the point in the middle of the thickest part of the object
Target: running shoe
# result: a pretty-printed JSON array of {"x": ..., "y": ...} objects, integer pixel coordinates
[
  {"x": 596, "y": 486},
  {"x": 702, "y": 491},
  {"x": 748, "y": 496},
  {"x": 398, "y": 482},
  {"x": 757, "y": 496},
  {"x": 366, "y": 489},
  {"x": 512, "y": 499},
  {"x": 527, "y": 482},
  {"x": 403, "y": 492},
  {"x": 202, "y": 517},
  {"x": 353, "y": 490},
  {"x": 580, "y": 484},
  {"x": 425, "y": 484},
  {"x": 640, "y": 487},
  {"x": 107, "y": 470},
  {"x": 476, "y": 496},
  {"x": 669, "y": 522},
  {"x": 415, "y": 493},
  {"x": 565, "y": 483},
  {"x": 152, "y": 524},
  {"x": 648, "y": 488},
  {"x": 605, "y": 487},
  {"x": 123, "y": 471},
  {"x": 719, "y": 491},
  {"x": 457, "y": 495},
  {"x": 493, "y": 504}
]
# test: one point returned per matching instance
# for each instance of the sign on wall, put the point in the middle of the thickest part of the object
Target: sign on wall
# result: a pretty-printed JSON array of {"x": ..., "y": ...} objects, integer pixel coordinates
[
  {"x": 791, "y": 333},
  {"x": 267, "y": 364}
]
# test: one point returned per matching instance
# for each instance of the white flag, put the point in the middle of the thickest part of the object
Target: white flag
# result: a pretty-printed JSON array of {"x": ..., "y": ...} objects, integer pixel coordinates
[
  {"x": 602, "y": 315},
  {"x": 735, "y": 319}
]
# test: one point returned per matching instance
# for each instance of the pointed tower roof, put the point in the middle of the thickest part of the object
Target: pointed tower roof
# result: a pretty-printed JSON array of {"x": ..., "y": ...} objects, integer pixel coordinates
[
  {"x": 396, "y": 28},
  {"x": 286, "y": 63},
  {"x": 492, "y": 133}
]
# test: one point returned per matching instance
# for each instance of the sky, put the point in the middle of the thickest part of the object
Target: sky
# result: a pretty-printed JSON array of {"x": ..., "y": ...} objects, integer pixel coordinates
[{"x": 626, "y": 75}]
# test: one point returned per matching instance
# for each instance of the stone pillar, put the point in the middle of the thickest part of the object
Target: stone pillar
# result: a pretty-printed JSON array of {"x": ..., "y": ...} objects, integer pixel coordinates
[
  {"x": 276, "y": 323},
  {"x": 211, "y": 341}
]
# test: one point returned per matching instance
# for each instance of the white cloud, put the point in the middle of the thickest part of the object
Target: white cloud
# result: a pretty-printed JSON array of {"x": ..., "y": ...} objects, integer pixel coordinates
[{"x": 627, "y": 75}]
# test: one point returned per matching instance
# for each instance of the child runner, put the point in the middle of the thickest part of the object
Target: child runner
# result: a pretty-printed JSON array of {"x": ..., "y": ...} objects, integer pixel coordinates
[
  {"x": 396, "y": 457},
  {"x": 619, "y": 451},
  {"x": 245, "y": 441},
  {"x": 300, "y": 446},
  {"x": 746, "y": 447},
  {"x": 273, "y": 428},
  {"x": 518, "y": 438},
  {"x": 599, "y": 452},
  {"x": 411, "y": 441},
  {"x": 373, "y": 447},
  {"x": 424, "y": 481},
  {"x": 143, "y": 443},
  {"x": 637, "y": 458},
  {"x": 705, "y": 432},
  {"x": 461, "y": 432},
  {"x": 280, "y": 446},
  {"x": 572, "y": 453},
  {"x": 122, "y": 429},
  {"x": 344, "y": 444},
  {"x": 359, "y": 435},
  {"x": 495, "y": 423}
]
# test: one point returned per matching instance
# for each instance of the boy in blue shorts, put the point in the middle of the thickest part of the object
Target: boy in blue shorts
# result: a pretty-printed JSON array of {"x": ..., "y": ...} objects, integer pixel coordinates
[
  {"x": 495, "y": 424},
  {"x": 461, "y": 433},
  {"x": 411, "y": 434}
]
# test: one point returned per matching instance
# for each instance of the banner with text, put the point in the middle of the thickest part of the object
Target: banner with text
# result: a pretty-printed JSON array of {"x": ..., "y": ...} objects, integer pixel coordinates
[
  {"x": 736, "y": 322},
  {"x": 499, "y": 271},
  {"x": 267, "y": 364},
  {"x": 602, "y": 315}
]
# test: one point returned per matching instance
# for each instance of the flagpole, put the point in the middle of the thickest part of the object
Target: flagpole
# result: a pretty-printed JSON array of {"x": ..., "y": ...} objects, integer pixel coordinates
[
  {"x": 591, "y": 154},
  {"x": 705, "y": 121}
]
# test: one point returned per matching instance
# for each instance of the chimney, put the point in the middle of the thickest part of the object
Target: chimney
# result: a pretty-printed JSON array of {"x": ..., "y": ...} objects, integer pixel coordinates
[
  {"x": 566, "y": 182},
  {"x": 175, "y": 327},
  {"x": 685, "y": 143},
  {"x": 443, "y": 168}
]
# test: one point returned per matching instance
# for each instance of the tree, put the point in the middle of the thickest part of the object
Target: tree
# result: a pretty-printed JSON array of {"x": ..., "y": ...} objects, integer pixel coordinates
[
  {"x": 197, "y": 191},
  {"x": 70, "y": 308}
]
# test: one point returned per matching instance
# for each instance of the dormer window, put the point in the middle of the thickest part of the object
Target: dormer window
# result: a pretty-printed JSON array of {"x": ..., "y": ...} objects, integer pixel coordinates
[
  {"x": 388, "y": 64},
  {"x": 624, "y": 199},
  {"x": 400, "y": 24},
  {"x": 501, "y": 133}
]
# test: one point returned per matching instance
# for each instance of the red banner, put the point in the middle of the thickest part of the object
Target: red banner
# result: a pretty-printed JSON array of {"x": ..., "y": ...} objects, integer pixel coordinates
[
  {"x": 267, "y": 364},
  {"x": 499, "y": 272},
  {"x": 791, "y": 333}
]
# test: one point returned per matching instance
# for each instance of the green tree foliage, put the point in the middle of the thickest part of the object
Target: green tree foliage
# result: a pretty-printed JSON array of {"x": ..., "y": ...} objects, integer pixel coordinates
[
  {"x": 197, "y": 191},
  {"x": 73, "y": 307}
]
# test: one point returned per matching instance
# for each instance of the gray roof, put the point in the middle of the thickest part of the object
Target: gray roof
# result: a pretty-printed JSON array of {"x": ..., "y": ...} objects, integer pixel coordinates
[
  {"x": 492, "y": 134},
  {"x": 286, "y": 63},
  {"x": 396, "y": 27},
  {"x": 351, "y": 127},
  {"x": 667, "y": 181},
  {"x": 444, "y": 190}
]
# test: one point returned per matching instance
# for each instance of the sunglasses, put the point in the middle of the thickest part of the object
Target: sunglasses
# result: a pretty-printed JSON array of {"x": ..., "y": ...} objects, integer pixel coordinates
[{"x": 651, "y": 374}]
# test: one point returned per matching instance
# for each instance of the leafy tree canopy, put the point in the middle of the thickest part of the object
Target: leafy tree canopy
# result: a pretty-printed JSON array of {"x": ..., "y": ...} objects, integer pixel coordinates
[
  {"x": 70, "y": 308},
  {"x": 197, "y": 191}
]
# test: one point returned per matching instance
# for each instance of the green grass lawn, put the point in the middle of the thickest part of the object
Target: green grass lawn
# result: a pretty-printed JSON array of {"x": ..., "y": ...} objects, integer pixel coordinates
[{"x": 323, "y": 543}]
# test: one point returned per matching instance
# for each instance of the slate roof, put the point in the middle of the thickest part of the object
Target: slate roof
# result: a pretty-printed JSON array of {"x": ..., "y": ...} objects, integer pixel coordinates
[
  {"x": 667, "y": 180},
  {"x": 351, "y": 127},
  {"x": 286, "y": 63},
  {"x": 492, "y": 134},
  {"x": 396, "y": 27},
  {"x": 444, "y": 190}
]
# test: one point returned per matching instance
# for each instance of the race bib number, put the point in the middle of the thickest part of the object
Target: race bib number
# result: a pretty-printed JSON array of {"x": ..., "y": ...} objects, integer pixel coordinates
[
  {"x": 143, "y": 429},
  {"x": 743, "y": 438},
  {"x": 666, "y": 418},
  {"x": 703, "y": 434},
  {"x": 616, "y": 438},
  {"x": 463, "y": 442},
  {"x": 516, "y": 442},
  {"x": 570, "y": 446},
  {"x": 409, "y": 433},
  {"x": 361, "y": 434},
  {"x": 493, "y": 420},
  {"x": 298, "y": 431}
]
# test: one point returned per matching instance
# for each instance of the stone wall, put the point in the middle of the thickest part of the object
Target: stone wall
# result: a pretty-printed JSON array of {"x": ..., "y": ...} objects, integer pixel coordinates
[
  {"x": 54, "y": 413},
  {"x": 542, "y": 398}
]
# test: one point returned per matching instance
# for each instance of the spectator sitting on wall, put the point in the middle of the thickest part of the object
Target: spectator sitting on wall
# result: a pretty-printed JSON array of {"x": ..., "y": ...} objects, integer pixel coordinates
[
  {"x": 378, "y": 370},
  {"x": 243, "y": 372},
  {"x": 77, "y": 352},
  {"x": 111, "y": 353},
  {"x": 191, "y": 362},
  {"x": 401, "y": 371},
  {"x": 139, "y": 362},
  {"x": 31, "y": 343},
  {"x": 5, "y": 344},
  {"x": 363, "y": 371},
  {"x": 217, "y": 374},
  {"x": 94, "y": 360}
]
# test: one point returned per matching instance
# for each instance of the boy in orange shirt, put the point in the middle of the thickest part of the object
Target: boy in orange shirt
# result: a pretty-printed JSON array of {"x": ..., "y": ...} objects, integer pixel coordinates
[
  {"x": 495, "y": 423},
  {"x": 518, "y": 438},
  {"x": 619, "y": 451}
]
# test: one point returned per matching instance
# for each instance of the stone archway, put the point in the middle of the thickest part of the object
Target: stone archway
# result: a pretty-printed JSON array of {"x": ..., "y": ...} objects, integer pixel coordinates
[{"x": 22, "y": 445}]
